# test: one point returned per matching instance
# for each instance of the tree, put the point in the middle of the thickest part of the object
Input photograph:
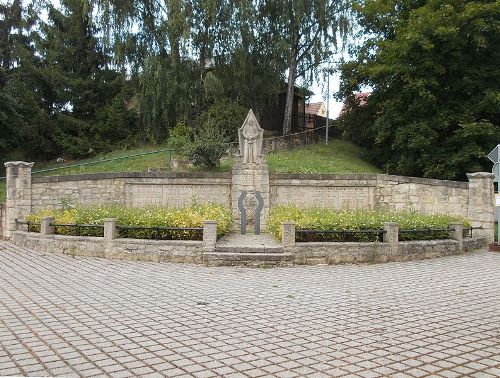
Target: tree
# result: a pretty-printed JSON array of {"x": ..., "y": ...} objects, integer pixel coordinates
[
  {"x": 78, "y": 86},
  {"x": 24, "y": 126},
  {"x": 435, "y": 107},
  {"x": 306, "y": 33}
]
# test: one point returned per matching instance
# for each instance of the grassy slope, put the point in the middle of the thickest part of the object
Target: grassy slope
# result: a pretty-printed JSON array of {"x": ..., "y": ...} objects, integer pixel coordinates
[{"x": 338, "y": 157}]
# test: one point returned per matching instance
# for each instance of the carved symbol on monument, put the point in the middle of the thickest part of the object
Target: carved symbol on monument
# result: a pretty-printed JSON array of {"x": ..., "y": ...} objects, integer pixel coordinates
[
  {"x": 250, "y": 136},
  {"x": 248, "y": 204},
  {"x": 243, "y": 213},
  {"x": 258, "y": 210}
]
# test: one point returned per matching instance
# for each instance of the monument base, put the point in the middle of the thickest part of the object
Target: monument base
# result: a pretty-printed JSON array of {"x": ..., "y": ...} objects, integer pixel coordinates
[{"x": 250, "y": 197}]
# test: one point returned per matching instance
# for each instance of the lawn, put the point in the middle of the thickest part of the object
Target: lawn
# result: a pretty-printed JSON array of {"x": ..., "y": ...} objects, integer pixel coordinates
[{"x": 336, "y": 157}]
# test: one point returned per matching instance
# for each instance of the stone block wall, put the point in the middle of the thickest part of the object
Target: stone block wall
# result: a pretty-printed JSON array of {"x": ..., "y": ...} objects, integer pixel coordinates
[
  {"x": 324, "y": 190},
  {"x": 2, "y": 219},
  {"x": 473, "y": 200},
  {"x": 371, "y": 191},
  {"x": 284, "y": 143},
  {"x": 428, "y": 196},
  {"x": 131, "y": 189},
  {"x": 123, "y": 249}
]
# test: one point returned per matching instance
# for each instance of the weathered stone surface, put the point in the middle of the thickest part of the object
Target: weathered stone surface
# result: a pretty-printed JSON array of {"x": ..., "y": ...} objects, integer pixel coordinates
[
  {"x": 250, "y": 174},
  {"x": 125, "y": 249},
  {"x": 481, "y": 210},
  {"x": 18, "y": 202},
  {"x": 198, "y": 252}
]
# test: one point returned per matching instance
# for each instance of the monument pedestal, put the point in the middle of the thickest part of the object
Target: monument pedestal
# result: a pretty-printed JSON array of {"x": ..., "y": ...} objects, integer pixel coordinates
[{"x": 250, "y": 191}]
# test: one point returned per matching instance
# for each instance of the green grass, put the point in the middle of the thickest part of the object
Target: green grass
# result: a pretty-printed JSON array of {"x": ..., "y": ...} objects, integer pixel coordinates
[
  {"x": 132, "y": 164},
  {"x": 338, "y": 157},
  {"x": 2, "y": 191}
]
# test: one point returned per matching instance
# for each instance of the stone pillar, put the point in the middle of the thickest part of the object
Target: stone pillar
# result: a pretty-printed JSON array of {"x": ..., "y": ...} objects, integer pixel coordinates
[
  {"x": 46, "y": 227},
  {"x": 457, "y": 233},
  {"x": 481, "y": 210},
  {"x": 250, "y": 178},
  {"x": 391, "y": 236},
  {"x": 18, "y": 203},
  {"x": 110, "y": 231},
  {"x": 288, "y": 234},
  {"x": 209, "y": 235}
]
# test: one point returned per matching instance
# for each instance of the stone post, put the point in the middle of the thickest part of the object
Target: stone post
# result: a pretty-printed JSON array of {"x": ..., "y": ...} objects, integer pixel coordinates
[
  {"x": 209, "y": 235},
  {"x": 110, "y": 231},
  {"x": 18, "y": 203},
  {"x": 481, "y": 210},
  {"x": 391, "y": 236},
  {"x": 288, "y": 234},
  {"x": 457, "y": 233},
  {"x": 46, "y": 227}
]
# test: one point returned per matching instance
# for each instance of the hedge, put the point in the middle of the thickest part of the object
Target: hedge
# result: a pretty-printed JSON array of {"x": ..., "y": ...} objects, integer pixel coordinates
[
  {"x": 328, "y": 219},
  {"x": 188, "y": 216}
]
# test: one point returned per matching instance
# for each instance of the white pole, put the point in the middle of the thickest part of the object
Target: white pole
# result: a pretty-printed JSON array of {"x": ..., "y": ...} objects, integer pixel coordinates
[{"x": 327, "y": 104}]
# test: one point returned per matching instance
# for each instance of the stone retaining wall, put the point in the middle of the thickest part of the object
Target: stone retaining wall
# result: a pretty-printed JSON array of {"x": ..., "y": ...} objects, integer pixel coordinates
[
  {"x": 284, "y": 143},
  {"x": 125, "y": 249},
  {"x": 131, "y": 189},
  {"x": 370, "y": 191},
  {"x": 2, "y": 219},
  {"x": 192, "y": 251},
  {"x": 473, "y": 200},
  {"x": 391, "y": 249}
]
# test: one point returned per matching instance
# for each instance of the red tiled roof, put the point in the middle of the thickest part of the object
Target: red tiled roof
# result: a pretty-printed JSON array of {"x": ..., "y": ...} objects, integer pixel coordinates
[
  {"x": 313, "y": 108},
  {"x": 360, "y": 98}
]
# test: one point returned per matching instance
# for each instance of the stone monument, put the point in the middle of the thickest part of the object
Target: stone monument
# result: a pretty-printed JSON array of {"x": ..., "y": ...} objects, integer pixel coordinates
[{"x": 250, "y": 182}]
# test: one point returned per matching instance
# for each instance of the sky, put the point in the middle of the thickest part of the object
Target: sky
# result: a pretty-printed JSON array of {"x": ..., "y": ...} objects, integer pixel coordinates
[{"x": 321, "y": 95}]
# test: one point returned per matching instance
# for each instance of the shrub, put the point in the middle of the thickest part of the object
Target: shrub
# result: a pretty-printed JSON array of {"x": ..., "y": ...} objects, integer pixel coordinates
[
  {"x": 188, "y": 216},
  {"x": 328, "y": 219},
  {"x": 179, "y": 137},
  {"x": 208, "y": 147},
  {"x": 226, "y": 116}
]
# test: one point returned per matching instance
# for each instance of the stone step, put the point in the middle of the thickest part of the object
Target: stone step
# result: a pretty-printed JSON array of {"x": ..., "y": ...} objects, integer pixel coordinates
[
  {"x": 251, "y": 259},
  {"x": 227, "y": 248}
]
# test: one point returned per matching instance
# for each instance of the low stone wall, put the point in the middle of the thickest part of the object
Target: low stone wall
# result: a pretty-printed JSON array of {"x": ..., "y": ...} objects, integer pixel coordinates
[
  {"x": 346, "y": 253},
  {"x": 391, "y": 249},
  {"x": 2, "y": 219},
  {"x": 109, "y": 246},
  {"x": 284, "y": 143},
  {"x": 125, "y": 249},
  {"x": 192, "y": 251}
]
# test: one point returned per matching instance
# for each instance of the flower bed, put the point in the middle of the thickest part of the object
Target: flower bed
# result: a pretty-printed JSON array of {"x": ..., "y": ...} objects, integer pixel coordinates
[
  {"x": 423, "y": 227},
  {"x": 144, "y": 223}
]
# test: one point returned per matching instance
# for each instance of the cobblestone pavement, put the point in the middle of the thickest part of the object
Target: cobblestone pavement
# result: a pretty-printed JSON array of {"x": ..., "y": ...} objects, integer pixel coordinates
[{"x": 68, "y": 316}]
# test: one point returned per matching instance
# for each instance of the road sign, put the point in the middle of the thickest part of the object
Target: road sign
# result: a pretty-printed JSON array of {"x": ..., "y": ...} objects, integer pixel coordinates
[{"x": 494, "y": 155}]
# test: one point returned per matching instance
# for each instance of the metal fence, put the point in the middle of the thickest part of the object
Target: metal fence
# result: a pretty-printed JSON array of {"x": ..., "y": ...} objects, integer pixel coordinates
[
  {"x": 339, "y": 235},
  {"x": 160, "y": 233},
  {"x": 132, "y": 232},
  {"x": 377, "y": 235}
]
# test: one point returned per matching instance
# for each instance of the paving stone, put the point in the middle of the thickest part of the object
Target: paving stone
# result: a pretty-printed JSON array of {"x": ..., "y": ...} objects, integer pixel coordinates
[{"x": 96, "y": 317}]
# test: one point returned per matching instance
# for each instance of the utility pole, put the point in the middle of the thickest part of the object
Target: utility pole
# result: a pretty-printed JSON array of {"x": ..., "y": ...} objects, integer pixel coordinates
[{"x": 327, "y": 104}]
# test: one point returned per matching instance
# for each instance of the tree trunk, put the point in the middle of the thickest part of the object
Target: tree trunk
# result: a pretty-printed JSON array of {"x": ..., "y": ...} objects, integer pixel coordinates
[{"x": 292, "y": 70}]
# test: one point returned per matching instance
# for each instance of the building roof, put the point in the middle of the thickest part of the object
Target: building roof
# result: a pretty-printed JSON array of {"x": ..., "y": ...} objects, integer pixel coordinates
[
  {"x": 360, "y": 98},
  {"x": 314, "y": 107}
]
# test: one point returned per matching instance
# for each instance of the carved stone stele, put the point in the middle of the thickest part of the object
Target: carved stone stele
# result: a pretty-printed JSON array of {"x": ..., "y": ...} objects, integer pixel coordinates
[
  {"x": 250, "y": 136},
  {"x": 250, "y": 175}
]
